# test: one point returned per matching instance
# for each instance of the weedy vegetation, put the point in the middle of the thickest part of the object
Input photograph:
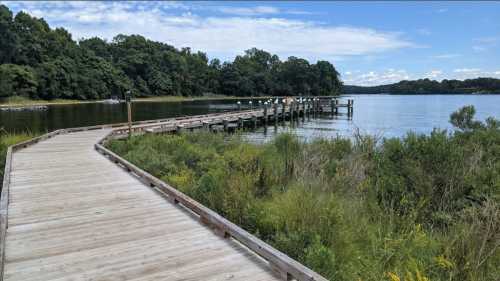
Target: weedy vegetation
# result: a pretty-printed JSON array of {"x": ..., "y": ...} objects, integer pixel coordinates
[
  {"x": 420, "y": 207},
  {"x": 6, "y": 140}
]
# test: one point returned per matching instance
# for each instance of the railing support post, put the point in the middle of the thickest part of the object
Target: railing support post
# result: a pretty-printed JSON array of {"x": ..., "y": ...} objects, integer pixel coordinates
[
  {"x": 283, "y": 111},
  {"x": 129, "y": 118},
  {"x": 275, "y": 112},
  {"x": 265, "y": 113}
]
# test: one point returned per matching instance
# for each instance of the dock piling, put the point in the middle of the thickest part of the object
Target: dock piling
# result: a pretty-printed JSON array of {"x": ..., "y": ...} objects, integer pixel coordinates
[
  {"x": 206, "y": 125},
  {"x": 240, "y": 122}
]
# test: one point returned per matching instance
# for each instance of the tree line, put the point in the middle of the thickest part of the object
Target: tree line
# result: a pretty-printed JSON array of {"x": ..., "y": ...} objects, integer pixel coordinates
[
  {"x": 39, "y": 62},
  {"x": 427, "y": 86}
]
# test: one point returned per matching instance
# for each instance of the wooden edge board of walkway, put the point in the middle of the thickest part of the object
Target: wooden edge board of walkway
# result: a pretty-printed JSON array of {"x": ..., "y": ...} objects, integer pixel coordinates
[{"x": 288, "y": 268}]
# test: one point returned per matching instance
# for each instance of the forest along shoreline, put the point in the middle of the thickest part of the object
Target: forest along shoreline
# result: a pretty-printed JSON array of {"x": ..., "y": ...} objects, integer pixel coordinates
[
  {"x": 48, "y": 64},
  {"x": 420, "y": 207}
]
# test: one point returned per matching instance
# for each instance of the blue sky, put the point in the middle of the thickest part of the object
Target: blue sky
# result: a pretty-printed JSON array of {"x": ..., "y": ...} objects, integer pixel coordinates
[{"x": 369, "y": 43}]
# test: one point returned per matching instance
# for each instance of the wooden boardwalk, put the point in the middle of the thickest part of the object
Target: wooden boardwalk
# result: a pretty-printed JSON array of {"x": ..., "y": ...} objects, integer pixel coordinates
[
  {"x": 75, "y": 215},
  {"x": 69, "y": 213}
]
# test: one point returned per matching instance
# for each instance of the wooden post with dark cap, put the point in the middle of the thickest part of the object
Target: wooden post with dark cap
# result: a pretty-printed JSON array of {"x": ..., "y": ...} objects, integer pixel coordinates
[{"x": 128, "y": 98}]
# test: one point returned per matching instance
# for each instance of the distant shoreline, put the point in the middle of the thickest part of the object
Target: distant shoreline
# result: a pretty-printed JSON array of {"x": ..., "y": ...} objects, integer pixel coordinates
[
  {"x": 426, "y": 94},
  {"x": 24, "y": 102},
  {"x": 477, "y": 86},
  {"x": 21, "y": 103}
]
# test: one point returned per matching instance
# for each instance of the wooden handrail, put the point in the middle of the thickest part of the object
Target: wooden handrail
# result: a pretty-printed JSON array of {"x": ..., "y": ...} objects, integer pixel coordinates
[{"x": 4, "y": 203}]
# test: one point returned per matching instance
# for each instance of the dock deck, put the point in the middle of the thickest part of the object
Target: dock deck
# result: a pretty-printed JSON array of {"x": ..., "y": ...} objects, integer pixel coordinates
[
  {"x": 75, "y": 215},
  {"x": 72, "y": 210}
]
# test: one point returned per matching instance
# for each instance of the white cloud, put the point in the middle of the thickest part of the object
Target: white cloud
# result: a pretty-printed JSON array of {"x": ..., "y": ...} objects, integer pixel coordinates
[
  {"x": 222, "y": 37},
  {"x": 443, "y": 10},
  {"x": 470, "y": 73},
  {"x": 446, "y": 56},
  {"x": 434, "y": 74},
  {"x": 373, "y": 78},
  {"x": 259, "y": 10},
  {"x": 467, "y": 70}
]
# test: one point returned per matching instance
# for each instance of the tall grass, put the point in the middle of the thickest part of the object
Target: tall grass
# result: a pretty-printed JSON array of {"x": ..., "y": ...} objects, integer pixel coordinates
[
  {"x": 6, "y": 140},
  {"x": 423, "y": 207}
]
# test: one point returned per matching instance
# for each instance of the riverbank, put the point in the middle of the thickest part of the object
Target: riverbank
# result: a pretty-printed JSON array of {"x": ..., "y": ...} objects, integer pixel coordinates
[
  {"x": 15, "y": 102},
  {"x": 421, "y": 207}
]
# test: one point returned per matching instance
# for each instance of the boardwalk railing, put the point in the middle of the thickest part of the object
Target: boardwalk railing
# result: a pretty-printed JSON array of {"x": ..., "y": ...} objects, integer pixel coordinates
[{"x": 288, "y": 268}]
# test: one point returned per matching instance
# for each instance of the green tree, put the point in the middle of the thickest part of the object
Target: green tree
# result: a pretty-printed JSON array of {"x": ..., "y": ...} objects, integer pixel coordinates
[
  {"x": 17, "y": 80},
  {"x": 9, "y": 41}
]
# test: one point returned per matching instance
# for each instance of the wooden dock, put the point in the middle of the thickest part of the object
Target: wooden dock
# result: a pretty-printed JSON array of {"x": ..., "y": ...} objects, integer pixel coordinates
[
  {"x": 69, "y": 213},
  {"x": 261, "y": 115}
]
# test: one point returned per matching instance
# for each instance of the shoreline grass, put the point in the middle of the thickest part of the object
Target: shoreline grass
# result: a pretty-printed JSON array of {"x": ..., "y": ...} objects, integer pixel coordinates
[
  {"x": 23, "y": 102},
  {"x": 6, "y": 140}
]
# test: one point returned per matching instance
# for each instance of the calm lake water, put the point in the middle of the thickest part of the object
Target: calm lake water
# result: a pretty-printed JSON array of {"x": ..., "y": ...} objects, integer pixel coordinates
[
  {"x": 386, "y": 115},
  {"x": 389, "y": 116}
]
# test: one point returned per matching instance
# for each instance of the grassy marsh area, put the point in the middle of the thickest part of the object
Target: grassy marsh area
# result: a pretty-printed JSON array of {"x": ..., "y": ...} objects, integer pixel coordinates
[{"x": 423, "y": 207}]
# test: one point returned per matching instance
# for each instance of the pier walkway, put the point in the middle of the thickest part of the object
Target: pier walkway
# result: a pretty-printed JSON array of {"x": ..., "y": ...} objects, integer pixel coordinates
[{"x": 73, "y": 210}]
